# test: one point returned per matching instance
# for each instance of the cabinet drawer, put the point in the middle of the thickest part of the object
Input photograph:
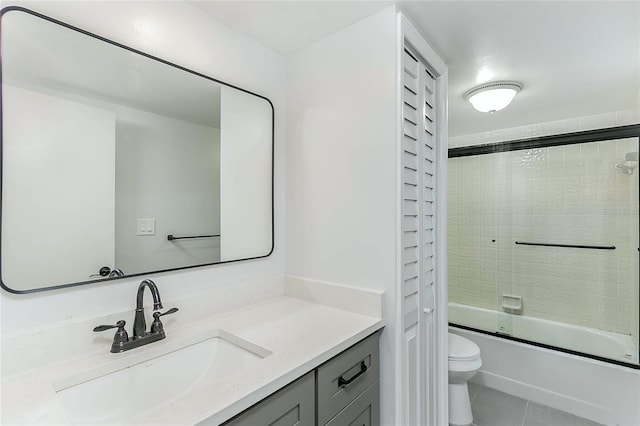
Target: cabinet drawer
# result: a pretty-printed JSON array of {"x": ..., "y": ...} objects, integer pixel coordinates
[
  {"x": 363, "y": 411},
  {"x": 346, "y": 376},
  {"x": 292, "y": 405}
]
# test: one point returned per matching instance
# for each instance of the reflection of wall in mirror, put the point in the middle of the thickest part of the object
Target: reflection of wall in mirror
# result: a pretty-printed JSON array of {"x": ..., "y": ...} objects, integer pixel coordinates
[
  {"x": 58, "y": 225},
  {"x": 245, "y": 175},
  {"x": 168, "y": 170}
]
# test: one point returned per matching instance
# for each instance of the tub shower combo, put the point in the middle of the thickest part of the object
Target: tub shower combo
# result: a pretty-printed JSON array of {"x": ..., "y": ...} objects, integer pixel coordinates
[{"x": 543, "y": 242}]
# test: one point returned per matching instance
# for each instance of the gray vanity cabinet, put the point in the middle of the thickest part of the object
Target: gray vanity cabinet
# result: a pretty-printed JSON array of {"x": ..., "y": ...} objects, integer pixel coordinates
[
  {"x": 293, "y": 405},
  {"x": 344, "y": 390},
  {"x": 346, "y": 377},
  {"x": 363, "y": 411}
]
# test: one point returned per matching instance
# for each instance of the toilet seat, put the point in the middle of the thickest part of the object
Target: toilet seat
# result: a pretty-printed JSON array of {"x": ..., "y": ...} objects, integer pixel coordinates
[{"x": 461, "y": 349}]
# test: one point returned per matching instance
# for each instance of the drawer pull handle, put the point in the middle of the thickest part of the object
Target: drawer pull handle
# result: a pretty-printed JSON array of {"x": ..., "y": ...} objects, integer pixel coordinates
[{"x": 342, "y": 382}]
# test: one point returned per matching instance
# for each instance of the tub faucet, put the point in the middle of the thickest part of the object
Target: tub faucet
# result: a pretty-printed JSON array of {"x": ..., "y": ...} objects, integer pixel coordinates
[{"x": 139, "y": 323}]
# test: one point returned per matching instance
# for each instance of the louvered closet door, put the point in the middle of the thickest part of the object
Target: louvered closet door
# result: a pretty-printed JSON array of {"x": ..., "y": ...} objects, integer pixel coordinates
[{"x": 418, "y": 215}]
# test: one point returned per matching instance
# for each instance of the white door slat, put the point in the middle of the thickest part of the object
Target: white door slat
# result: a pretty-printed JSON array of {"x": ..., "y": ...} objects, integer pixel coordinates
[
  {"x": 428, "y": 277},
  {"x": 429, "y": 113},
  {"x": 428, "y": 153},
  {"x": 429, "y": 167},
  {"x": 410, "y": 114},
  {"x": 428, "y": 222},
  {"x": 410, "y": 176},
  {"x": 428, "y": 250},
  {"x": 410, "y": 286},
  {"x": 410, "y": 98},
  {"x": 410, "y": 270},
  {"x": 410, "y": 160},
  {"x": 410, "y": 129},
  {"x": 410, "y": 239},
  {"x": 429, "y": 84},
  {"x": 410, "y": 254},
  {"x": 410, "y": 83},
  {"x": 428, "y": 181},
  {"x": 409, "y": 145},
  {"x": 428, "y": 209},
  {"x": 428, "y": 99},
  {"x": 410, "y": 64},
  {"x": 410, "y": 208},
  {"x": 410, "y": 223},
  {"x": 428, "y": 195},
  {"x": 429, "y": 126},
  {"x": 429, "y": 140},
  {"x": 428, "y": 264},
  {"x": 411, "y": 318},
  {"x": 410, "y": 192},
  {"x": 428, "y": 236}
]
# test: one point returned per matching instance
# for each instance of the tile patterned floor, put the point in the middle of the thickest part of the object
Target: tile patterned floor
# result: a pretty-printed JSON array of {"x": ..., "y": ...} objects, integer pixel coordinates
[{"x": 494, "y": 408}]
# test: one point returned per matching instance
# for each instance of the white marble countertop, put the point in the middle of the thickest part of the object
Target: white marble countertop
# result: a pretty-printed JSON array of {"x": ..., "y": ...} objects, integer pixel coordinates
[{"x": 300, "y": 334}]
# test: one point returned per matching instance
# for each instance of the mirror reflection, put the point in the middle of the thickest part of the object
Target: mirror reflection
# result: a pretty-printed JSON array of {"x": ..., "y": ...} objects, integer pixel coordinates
[{"x": 115, "y": 163}]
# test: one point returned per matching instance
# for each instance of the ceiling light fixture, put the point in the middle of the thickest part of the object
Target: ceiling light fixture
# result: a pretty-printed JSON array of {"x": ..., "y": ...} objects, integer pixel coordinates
[{"x": 492, "y": 97}]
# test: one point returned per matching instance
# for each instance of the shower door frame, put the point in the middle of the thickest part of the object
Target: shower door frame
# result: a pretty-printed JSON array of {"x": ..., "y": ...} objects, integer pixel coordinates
[{"x": 596, "y": 135}]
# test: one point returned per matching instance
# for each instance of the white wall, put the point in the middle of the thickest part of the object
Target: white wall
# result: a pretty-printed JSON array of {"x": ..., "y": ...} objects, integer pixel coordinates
[
  {"x": 155, "y": 155},
  {"x": 184, "y": 35},
  {"x": 50, "y": 215},
  {"x": 167, "y": 170},
  {"x": 341, "y": 175}
]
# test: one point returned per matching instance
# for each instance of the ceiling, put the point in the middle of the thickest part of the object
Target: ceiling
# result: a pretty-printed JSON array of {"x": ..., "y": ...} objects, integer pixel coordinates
[{"x": 574, "y": 58}]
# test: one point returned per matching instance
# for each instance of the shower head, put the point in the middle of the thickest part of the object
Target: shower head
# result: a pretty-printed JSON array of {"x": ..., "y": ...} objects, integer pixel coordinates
[{"x": 629, "y": 164}]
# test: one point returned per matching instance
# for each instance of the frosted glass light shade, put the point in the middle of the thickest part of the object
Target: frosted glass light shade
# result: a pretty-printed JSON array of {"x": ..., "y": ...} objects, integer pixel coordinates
[{"x": 492, "y": 97}]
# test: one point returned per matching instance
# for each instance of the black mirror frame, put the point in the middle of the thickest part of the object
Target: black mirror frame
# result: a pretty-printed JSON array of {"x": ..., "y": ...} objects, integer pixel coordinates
[{"x": 163, "y": 61}]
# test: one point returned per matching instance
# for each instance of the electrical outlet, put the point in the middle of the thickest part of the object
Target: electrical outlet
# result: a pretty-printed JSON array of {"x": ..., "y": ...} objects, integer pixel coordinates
[{"x": 146, "y": 227}]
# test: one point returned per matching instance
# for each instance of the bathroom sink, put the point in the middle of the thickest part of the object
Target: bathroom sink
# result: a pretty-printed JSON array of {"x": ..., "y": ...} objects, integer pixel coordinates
[{"x": 120, "y": 390}]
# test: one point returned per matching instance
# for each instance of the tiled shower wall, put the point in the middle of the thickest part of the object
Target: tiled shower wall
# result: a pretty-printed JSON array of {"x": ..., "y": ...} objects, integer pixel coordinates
[{"x": 570, "y": 194}]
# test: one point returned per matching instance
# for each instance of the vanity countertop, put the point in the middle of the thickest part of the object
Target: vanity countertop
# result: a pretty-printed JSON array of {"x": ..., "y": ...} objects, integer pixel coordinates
[{"x": 300, "y": 334}]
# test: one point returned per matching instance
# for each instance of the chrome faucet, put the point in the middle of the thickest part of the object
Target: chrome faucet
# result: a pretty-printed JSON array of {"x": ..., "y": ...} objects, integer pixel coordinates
[{"x": 121, "y": 340}]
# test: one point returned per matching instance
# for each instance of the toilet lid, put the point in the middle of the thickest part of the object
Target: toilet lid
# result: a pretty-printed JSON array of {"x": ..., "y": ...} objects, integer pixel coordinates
[{"x": 461, "y": 348}]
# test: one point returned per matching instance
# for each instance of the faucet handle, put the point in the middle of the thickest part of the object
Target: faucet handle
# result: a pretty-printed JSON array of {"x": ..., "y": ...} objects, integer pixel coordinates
[
  {"x": 121, "y": 335},
  {"x": 120, "y": 325},
  {"x": 156, "y": 315},
  {"x": 157, "y": 326}
]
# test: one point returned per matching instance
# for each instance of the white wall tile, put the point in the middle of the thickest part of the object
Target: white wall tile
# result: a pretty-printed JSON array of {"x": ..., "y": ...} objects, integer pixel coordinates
[{"x": 571, "y": 194}]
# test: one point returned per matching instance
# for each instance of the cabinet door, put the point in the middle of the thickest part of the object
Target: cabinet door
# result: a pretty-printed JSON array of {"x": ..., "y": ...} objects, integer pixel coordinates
[
  {"x": 346, "y": 376},
  {"x": 293, "y": 405},
  {"x": 363, "y": 411}
]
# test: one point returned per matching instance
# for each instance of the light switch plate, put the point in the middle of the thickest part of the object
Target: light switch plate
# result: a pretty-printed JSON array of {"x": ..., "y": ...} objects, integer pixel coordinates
[{"x": 146, "y": 227}]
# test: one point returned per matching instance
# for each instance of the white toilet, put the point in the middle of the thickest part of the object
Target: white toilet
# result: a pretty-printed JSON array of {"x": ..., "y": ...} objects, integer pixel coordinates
[{"x": 464, "y": 363}]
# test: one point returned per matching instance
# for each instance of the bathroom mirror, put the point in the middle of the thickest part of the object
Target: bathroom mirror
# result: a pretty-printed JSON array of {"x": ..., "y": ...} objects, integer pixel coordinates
[{"x": 115, "y": 162}]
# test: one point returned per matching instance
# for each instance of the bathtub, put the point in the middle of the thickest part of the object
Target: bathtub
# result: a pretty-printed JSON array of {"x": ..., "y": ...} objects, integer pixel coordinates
[{"x": 605, "y": 344}]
